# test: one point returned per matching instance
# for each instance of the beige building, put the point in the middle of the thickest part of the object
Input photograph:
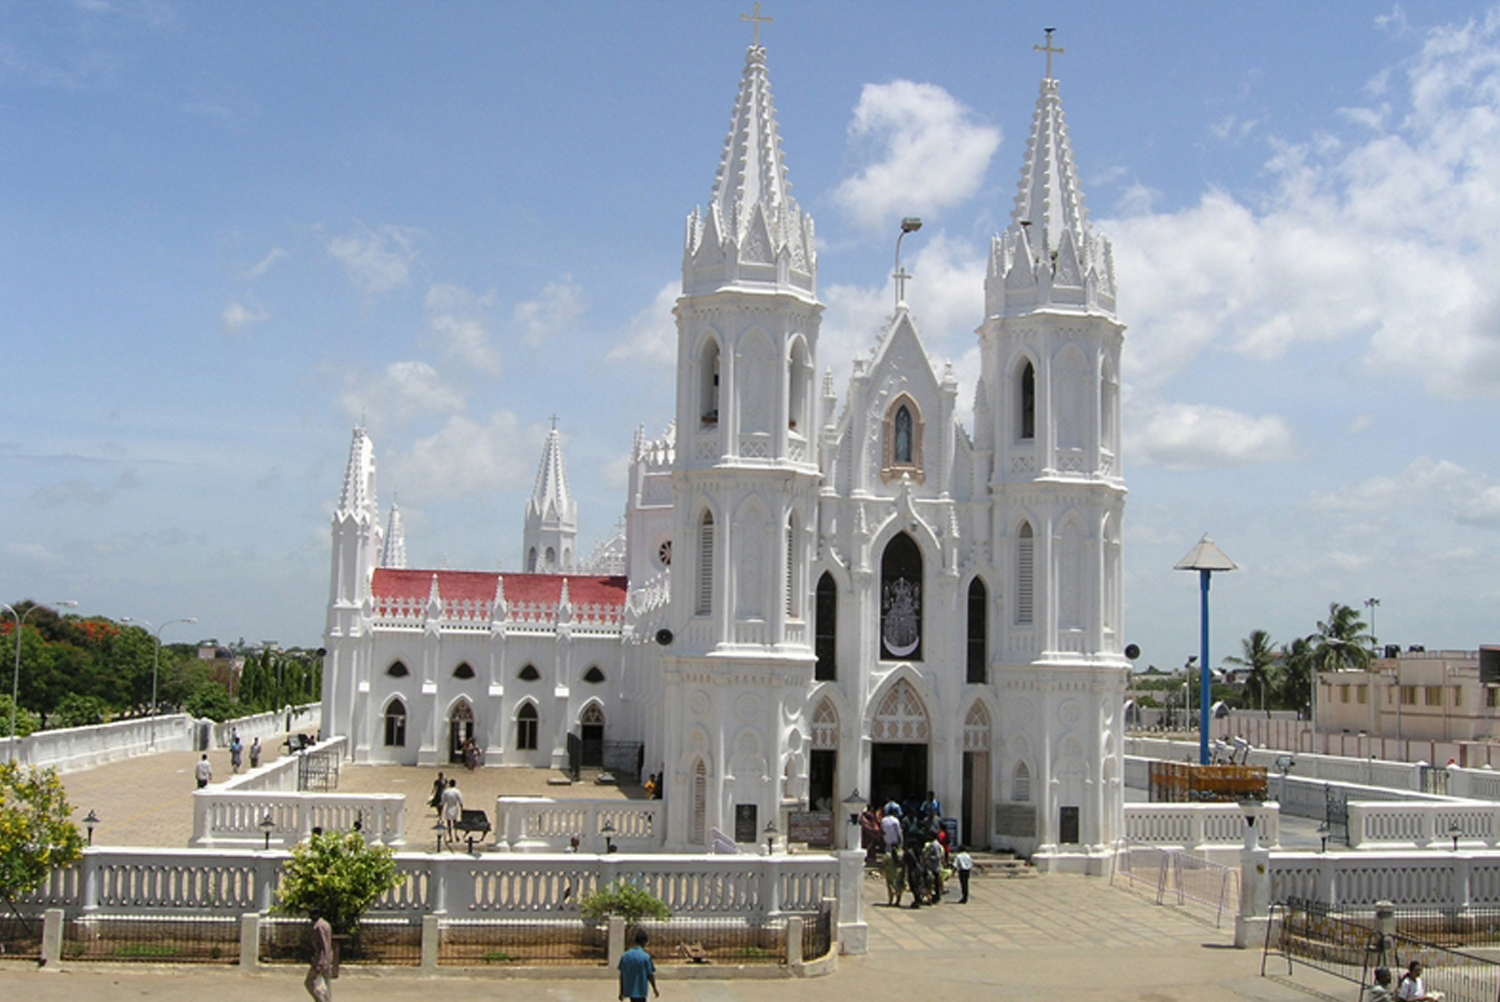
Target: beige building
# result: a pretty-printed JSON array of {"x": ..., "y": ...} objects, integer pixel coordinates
[{"x": 1417, "y": 695}]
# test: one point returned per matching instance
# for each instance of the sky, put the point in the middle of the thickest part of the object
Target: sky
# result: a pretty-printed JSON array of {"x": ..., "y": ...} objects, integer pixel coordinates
[{"x": 231, "y": 231}]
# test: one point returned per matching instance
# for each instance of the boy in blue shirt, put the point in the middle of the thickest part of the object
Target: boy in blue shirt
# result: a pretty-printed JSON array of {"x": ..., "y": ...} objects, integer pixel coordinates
[{"x": 637, "y": 971}]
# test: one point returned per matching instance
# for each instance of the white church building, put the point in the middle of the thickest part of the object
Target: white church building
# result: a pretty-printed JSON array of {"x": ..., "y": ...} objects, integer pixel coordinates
[{"x": 813, "y": 595}]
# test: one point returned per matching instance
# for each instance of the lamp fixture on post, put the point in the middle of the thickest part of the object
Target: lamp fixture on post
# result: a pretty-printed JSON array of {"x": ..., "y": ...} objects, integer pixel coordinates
[
  {"x": 608, "y": 831},
  {"x": 910, "y": 224},
  {"x": 853, "y": 806},
  {"x": 1454, "y": 831},
  {"x": 1323, "y": 831},
  {"x": 156, "y": 661},
  {"x": 15, "y": 675},
  {"x": 770, "y": 834},
  {"x": 1205, "y": 558},
  {"x": 1284, "y": 764},
  {"x": 89, "y": 823},
  {"x": 266, "y": 824}
]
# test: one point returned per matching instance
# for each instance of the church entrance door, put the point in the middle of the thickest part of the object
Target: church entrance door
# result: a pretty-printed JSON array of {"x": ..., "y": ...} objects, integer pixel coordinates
[
  {"x": 591, "y": 734},
  {"x": 898, "y": 772},
  {"x": 975, "y": 816},
  {"x": 460, "y": 730}
]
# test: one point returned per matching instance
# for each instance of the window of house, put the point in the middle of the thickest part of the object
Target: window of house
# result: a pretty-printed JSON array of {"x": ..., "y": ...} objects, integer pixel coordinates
[
  {"x": 526, "y": 722},
  {"x": 1343, "y": 693},
  {"x": 395, "y": 724},
  {"x": 1458, "y": 696},
  {"x": 1362, "y": 694},
  {"x": 1432, "y": 695},
  {"x": 1408, "y": 695},
  {"x": 1491, "y": 696}
]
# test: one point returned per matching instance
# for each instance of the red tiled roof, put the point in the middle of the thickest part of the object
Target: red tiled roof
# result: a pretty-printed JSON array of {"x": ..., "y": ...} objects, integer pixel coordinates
[{"x": 479, "y": 586}]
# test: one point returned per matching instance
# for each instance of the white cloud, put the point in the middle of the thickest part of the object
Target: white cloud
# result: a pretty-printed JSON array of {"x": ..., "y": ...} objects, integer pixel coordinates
[
  {"x": 33, "y": 553},
  {"x": 405, "y": 389},
  {"x": 1427, "y": 485},
  {"x": 652, "y": 334},
  {"x": 926, "y": 151},
  {"x": 465, "y": 457},
  {"x": 266, "y": 263},
  {"x": 560, "y": 303},
  {"x": 377, "y": 261},
  {"x": 1198, "y": 436},
  {"x": 456, "y": 322},
  {"x": 1383, "y": 241},
  {"x": 238, "y": 316}
]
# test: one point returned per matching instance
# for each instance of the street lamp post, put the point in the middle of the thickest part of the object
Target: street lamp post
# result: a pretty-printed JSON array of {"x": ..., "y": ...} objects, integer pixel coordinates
[
  {"x": 156, "y": 662},
  {"x": 15, "y": 675},
  {"x": 910, "y": 224},
  {"x": 1205, "y": 558}
]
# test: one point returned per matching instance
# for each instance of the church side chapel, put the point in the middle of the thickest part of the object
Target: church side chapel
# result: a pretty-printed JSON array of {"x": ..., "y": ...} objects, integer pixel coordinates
[{"x": 814, "y": 596}]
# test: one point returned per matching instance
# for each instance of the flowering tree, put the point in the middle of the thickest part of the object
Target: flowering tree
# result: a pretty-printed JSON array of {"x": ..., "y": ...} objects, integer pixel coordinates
[{"x": 36, "y": 835}]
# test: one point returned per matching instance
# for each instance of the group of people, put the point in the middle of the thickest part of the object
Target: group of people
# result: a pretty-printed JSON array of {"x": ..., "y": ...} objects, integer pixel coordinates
[
  {"x": 237, "y": 752},
  {"x": 448, "y": 802},
  {"x": 911, "y": 846},
  {"x": 1411, "y": 988},
  {"x": 473, "y": 756}
]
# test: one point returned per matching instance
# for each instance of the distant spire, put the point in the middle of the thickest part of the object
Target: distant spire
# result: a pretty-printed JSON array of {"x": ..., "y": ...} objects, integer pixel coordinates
[
  {"x": 550, "y": 497},
  {"x": 551, "y": 514},
  {"x": 394, "y": 552},
  {"x": 753, "y": 231},
  {"x": 1049, "y": 256}
]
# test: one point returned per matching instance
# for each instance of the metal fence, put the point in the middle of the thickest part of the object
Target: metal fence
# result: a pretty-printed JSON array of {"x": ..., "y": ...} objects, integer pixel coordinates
[
  {"x": 377, "y": 943},
  {"x": 715, "y": 941},
  {"x": 1351, "y": 947},
  {"x": 1175, "y": 877},
  {"x": 501, "y": 942},
  {"x": 817, "y": 935},
  {"x": 183, "y": 939},
  {"x": 20, "y": 938}
]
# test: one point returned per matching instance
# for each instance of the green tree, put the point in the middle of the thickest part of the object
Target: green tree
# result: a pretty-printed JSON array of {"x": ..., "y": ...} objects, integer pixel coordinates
[
  {"x": 626, "y": 900},
  {"x": 213, "y": 701},
  {"x": 79, "y": 711},
  {"x": 36, "y": 836},
  {"x": 1260, "y": 656},
  {"x": 336, "y": 876},
  {"x": 1297, "y": 666},
  {"x": 26, "y": 721},
  {"x": 1341, "y": 643}
]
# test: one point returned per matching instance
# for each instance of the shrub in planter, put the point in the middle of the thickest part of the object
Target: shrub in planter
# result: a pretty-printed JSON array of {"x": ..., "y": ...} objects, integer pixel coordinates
[
  {"x": 626, "y": 900},
  {"x": 338, "y": 876}
]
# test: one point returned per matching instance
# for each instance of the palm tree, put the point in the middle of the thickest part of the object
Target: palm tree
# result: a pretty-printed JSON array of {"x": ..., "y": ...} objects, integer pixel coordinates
[
  {"x": 1297, "y": 675},
  {"x": 1260, "y": 657},
  {"x": 1341, "y": 643}
]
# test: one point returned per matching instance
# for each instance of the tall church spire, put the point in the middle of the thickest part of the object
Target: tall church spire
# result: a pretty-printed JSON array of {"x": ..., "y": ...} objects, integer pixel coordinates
[
  {"x": 753, "y": 231},
  {"x": 1049, "y": 256},
  {"x": 551, "y": 513},
  {"x": 358, "y": 495}
]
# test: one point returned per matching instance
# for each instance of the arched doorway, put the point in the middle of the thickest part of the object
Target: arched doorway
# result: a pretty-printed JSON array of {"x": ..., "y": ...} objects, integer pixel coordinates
[
  {"x": 460, "y": 730},
  {"x": 898, "y": 753},
  {"x": 974, "y": 809},
  {"x": 823, "y": 765},
  {"x": 591, "y": 734}
]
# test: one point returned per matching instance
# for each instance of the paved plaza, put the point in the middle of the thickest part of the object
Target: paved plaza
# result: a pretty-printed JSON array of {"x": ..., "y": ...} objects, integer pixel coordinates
[{"x": 1054, "y": 937}]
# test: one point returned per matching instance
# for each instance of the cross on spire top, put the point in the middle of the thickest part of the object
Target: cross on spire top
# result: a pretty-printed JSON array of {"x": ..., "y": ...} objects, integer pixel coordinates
[
  {"x": 554, "y": 422},
  {"x": 759, "y": 20},
  {"x": 1048, "y": 48}
]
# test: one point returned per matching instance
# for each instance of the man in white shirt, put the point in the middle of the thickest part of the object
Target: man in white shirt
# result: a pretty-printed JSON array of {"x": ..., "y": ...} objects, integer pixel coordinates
[{"x": 204, "y": 771}]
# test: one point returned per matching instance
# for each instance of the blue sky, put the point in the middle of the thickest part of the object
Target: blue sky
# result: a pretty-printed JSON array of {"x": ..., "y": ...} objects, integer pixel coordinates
[{"x": 228, "y": 230}]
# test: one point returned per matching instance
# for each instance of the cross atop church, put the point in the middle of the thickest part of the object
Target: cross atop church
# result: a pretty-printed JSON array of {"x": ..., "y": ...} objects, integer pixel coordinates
[
  {"x": 1048, "y": 48},
  {"x": 554, "y": 422},
  {"x": 758, "y": 22}
]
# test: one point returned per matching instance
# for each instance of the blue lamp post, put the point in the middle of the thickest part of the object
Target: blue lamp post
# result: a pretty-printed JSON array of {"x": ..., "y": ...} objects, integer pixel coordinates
[{"x": 1205, "y": 558}]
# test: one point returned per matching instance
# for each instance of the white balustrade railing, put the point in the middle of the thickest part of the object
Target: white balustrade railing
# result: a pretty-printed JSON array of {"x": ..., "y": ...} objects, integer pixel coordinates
[
  {"x": 1358, "y": 879},
  {"x": 233, "y": 882},
  {"x": 1419, "y": 824},
  {"x": 235, "y": 818},
  {"x": 1201, "y": 826},
  {"x": 69, "y": 748},
  {"x": 308, "y": 717},
  {"x": 541, "y": 824}
]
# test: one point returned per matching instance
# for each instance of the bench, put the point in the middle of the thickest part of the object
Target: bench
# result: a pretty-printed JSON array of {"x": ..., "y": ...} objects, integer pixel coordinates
[
  {"x": 471, "y": 823},
  {"x": 692, "y": 952}
]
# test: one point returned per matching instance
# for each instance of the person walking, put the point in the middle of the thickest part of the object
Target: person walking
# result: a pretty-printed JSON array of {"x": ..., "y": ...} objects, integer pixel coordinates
[
  {"x": 962, "y": 864},
  {"x": 236, "y": 751},
  {"x": 255, "y": 753},
  {"x": 637, "y": 970},
  {"x": 453, "y": 808},
  {"x": 204, "y": 772},
  {"x": 320, "y": 972}
]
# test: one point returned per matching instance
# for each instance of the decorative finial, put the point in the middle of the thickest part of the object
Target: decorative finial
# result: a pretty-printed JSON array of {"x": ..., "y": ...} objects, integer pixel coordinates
[
  {"x": 1049, "y": 49},
  {"x": 554, "y": 422},
  {"x": 756, "y": 17}
]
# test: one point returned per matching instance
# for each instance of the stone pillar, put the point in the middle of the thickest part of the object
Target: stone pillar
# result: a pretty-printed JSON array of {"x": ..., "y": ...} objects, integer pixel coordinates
[
  {"x": 1255, "y": 891},
  {"x": 794, "y": 943},
  {"x": 616, "y": 941},
  {"x": 250, "y": 941},
  {"x": 52, "y": 937},
  {"x": 853, "y": 933},
  {"x": 431, "y": 934}
]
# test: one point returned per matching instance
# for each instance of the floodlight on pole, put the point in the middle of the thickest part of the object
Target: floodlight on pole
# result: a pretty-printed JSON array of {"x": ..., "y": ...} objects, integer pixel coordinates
[
  {"x": 15, "y": 675},
  {"x": 1205, "y": 558}
]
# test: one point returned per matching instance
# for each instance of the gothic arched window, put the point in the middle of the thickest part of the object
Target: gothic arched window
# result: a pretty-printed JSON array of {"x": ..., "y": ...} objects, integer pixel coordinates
[
  {"x": 1025, "y": 575},
  {"x": 528, "y": 673},
  {"x": 901, "y": 600},
  {"x": 397, "y": 670},
  {"x": 395, "y": 724},
  {"x": 1028, "y": 402},
  {"x": 708, "y": 384},
  {"x": 526, "y": 722},
  {"x": 903, "y": 441},
  {"x": 463, "y": 670},
  {"x": 705, "y": 598},
  {"x": 593, "y": 676},
  {"x": 979, "y": 618},
  {"x": 1020, "y": 783},
  {"x": 826, "y": 630}
]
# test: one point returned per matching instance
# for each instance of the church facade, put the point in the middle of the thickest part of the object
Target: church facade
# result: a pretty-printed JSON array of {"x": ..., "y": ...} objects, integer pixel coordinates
[{"x": 812, "y": 596}]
